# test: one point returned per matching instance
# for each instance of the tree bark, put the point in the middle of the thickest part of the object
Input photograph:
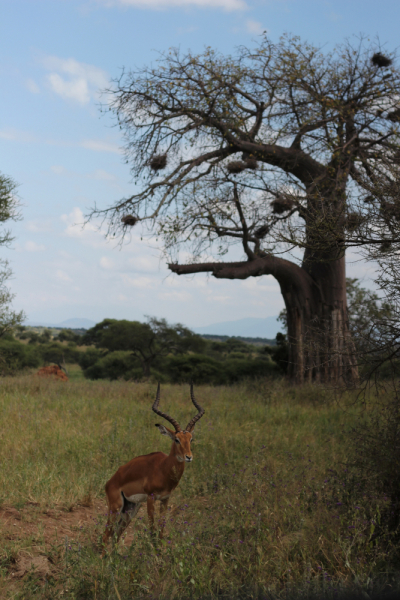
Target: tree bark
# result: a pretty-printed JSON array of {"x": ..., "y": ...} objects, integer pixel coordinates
[{"x": 320, "y": 345}]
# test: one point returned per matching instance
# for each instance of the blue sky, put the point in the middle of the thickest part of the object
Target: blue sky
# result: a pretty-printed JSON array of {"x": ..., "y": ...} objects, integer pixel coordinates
[{"x": 55, "y": 57}]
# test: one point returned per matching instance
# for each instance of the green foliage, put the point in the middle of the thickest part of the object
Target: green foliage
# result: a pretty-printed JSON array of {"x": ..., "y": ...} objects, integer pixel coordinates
[
  {"x": 366, "y": 312},
  {"x": 67, "y": 335},
  {"x": 89, "y": 357},
  {"x": 115, "y": 365},
  {"x": 194, "y": 367},
  {"x": 54, "y": 352},
  {"x": 9, "y": 210},
  {"x": 145, "y": 341},
  {"x": 15, "y": 356},
  {"x": 203, "y": 369},
  {"x": 375, "y": 460}
]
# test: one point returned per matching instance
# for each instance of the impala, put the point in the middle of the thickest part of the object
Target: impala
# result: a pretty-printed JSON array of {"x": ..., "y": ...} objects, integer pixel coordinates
[{"x": 149, "y": 478}]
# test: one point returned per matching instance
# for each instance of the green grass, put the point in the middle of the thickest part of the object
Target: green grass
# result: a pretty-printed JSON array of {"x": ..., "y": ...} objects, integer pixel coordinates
[{"x": 255, "y": 513}]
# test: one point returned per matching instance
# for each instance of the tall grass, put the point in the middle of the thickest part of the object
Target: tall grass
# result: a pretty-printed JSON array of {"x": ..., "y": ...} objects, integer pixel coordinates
[{"x": 262, "y": 509}]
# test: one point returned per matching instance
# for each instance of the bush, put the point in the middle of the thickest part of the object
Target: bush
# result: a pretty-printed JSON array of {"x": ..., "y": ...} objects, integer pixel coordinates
[
  {"x": 15, "y": 356},
  {"x": 239, "y": 369},
  {"x": 194, "y": 367},
  {"x": 203, "y": 369},
  {"x": 57, "y": 353},
  {"x": 89, "y": 357},
  {"x": 115, "y": 365},
  {"x": 376, "y": 461}
]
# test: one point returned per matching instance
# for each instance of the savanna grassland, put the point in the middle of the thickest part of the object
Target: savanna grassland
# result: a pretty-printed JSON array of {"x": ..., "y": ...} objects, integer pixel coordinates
[{"x": 265, "y": 509}]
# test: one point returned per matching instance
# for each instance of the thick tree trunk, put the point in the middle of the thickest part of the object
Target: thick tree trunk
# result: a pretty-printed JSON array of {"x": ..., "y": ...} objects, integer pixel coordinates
[
  {"x": 320, "y": 345},
  {"x": 146, "y": 368}
]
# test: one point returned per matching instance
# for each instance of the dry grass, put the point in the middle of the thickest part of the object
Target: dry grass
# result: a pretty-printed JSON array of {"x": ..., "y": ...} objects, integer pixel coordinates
[{"x": 259, "y": 512}]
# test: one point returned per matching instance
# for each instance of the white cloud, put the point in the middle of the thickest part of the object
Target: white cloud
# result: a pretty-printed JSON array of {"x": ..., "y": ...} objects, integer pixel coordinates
[
  {"x": 32, "y": 86},
  {"x": 98, "y": 174},
  {"x": 100, "y": 146},
  {"x": 39, "y": 226},
  {"x": 102, "y": 175},
  {"x": 144, "y": 264},
  {"x": 59, "y": 169},
  {"x": 254, "y": 27},
  {"x": 17, "y": 136},
  {"x": 107, "y": 263},
  {"x": 75, "y": 222},
  {"x": 228, "y": 5},
  {"x": 178, "y": 296},
  {"x": 138, "y": 282},
  {"x": 62, "y": 276},
  {"x": 73, "y": 80},
  {"x": 34, "y": 247}
]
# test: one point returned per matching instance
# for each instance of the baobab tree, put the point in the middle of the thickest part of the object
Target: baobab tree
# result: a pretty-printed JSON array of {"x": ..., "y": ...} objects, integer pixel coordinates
[{"x": 268, "y": 149}]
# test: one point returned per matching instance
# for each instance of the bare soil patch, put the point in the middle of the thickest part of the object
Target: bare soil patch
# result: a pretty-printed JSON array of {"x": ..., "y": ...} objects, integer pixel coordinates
[{"x": 49, "y": 526}]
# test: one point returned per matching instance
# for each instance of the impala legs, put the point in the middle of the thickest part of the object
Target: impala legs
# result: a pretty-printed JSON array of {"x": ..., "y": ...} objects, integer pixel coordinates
[
  {"x": 163, "y": 516},
  {"x": 150, "y": 512},
  {"x": 118, "y": 521}
]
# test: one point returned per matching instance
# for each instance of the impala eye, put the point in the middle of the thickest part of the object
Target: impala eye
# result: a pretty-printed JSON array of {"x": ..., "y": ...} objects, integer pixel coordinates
[{"x": 177, "y": 441}]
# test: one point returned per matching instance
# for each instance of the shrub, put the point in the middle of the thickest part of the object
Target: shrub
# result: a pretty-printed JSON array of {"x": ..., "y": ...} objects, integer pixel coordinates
[
  {"x": 15, "y": 356},
  {"x": 115, "y": 365},
  {"x": 89, "y": 357},
  {"x": 194, "y": 367},
  {"x": 239, "y": 369},
  {"x": 57, "y": 353},
  {"x": 376, "y": 460},
  {"x": 203, "y": 369}
]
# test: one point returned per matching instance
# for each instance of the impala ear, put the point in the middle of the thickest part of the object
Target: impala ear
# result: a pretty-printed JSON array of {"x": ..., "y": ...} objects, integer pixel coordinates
[{"x": 165, "y": 431}]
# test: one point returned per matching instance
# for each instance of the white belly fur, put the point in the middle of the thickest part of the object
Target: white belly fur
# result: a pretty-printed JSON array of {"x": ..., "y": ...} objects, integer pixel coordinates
[
  {"x": 137, "y": 498},
  {"x": 143, "y": 497}
]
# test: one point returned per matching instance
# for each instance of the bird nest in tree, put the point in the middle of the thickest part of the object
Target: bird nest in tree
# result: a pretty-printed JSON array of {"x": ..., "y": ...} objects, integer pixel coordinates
[
  {"x": 391, "y": 210},
  {"x": 282, "y": 204},
  {"x": 380, "y": 60},
  {"x": 158, "y": 162},
  {"x": 262, "y": 231},
  {"x": 251, "y": 163},
  {"x": 353, "y": 220},
  {"x": 385, "y": 246},
  {"x": 129, "y": 220},
  {"x": 237, "y": 166},
  {"x": 394, "y": 116}
]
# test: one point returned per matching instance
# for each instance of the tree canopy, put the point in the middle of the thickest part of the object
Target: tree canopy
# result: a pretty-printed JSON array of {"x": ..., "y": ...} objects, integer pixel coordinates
[
  {"x": 146, "y": 341},
  {"x": 297, "y": 116},
  {"x": 271, "y": 150},
  {"x": 9, "y": 210}
]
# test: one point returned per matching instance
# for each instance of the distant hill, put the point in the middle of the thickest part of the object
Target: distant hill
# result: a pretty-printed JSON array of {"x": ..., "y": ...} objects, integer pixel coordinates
[
  {"x": 246, "y": 328},
  {"x": 77, "y": 324},
  {"x": 257, "y": 341},
  {"x": 68, "y": 324}
]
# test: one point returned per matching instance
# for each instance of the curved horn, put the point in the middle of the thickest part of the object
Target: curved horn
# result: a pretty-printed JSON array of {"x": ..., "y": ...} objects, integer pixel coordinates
[
  {"x": 201, "y": 412},
  {"x": 164, "y": 415}
]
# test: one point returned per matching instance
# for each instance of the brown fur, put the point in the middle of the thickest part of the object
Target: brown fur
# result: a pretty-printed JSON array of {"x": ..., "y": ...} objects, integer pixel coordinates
[
  {"x": 52, "y": 371},
  {"x": 155, "y": 475}
]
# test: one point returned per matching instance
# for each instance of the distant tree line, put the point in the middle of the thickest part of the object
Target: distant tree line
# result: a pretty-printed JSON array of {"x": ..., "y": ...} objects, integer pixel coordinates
[{"x": 131, "y": 350}]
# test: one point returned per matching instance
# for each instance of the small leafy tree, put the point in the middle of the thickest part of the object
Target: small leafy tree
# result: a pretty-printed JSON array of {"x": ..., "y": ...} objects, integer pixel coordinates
[
  {"x": 146, "y": 341},
  {"x": 9, "y": 210},
  {"x": 67, "y": 335}
]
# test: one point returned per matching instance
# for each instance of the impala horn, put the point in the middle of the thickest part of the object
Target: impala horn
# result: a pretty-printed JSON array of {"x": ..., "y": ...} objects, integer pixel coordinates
[
  {"x": 164, "y": 415},
  {"x": 192, "y": 423}
]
